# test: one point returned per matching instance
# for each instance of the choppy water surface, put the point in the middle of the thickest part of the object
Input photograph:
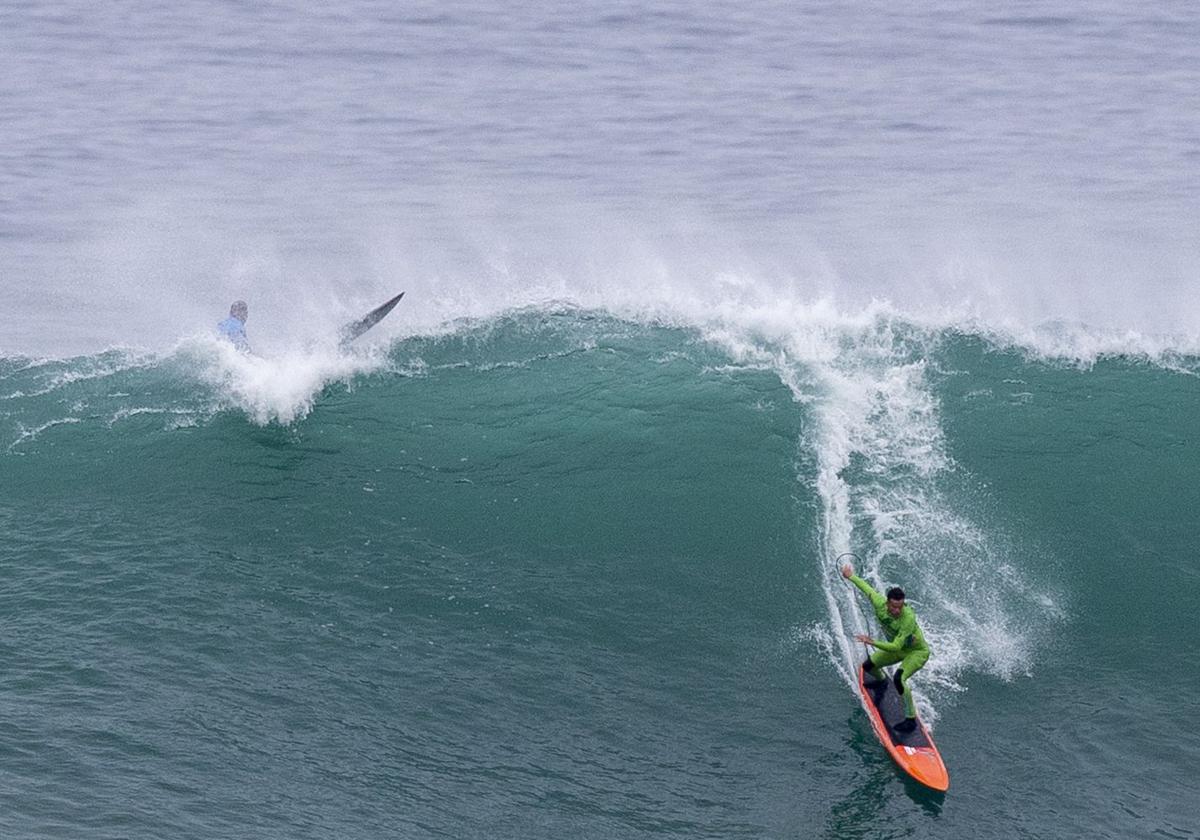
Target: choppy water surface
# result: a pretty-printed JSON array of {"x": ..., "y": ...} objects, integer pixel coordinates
[{"x": 697, "y": 300}]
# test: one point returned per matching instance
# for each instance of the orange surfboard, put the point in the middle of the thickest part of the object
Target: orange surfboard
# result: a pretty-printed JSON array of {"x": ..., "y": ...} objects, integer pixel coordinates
[{"x": 914, "y": 751}]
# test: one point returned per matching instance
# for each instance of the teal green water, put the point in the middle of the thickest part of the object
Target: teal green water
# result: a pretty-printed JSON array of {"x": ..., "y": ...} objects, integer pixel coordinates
[
  {"x": 911, "y": 281},
  {"x": 557, "y": 572}
]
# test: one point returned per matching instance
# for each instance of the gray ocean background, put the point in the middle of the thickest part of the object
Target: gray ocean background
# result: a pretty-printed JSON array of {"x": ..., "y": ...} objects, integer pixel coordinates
[{"x": 698, "y": 298}]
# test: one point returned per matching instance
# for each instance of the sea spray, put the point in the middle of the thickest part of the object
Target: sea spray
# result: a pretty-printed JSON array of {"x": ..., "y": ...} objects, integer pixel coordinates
[
  {"x": 890, "y": 493},
  {"x": 278, "y": 389}
]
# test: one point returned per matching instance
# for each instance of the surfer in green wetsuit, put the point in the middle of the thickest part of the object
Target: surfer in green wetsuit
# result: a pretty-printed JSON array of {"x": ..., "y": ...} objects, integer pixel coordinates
[{"x": 905, "y": 643}]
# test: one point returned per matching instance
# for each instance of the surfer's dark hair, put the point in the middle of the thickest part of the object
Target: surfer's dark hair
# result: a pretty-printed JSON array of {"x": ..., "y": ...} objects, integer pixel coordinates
[{"x": 895, "y": 594}]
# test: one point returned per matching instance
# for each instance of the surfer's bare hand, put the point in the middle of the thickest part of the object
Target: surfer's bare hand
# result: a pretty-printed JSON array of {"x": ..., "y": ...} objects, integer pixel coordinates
[
  {"x": 847, "y": 571},
  {"x": 866, "y": 640}
]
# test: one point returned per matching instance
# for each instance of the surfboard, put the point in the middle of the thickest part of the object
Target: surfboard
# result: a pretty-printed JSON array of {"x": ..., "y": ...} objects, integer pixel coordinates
[
  {"x": 914, "y": 751},
  {"x": 354, "y": 329}
]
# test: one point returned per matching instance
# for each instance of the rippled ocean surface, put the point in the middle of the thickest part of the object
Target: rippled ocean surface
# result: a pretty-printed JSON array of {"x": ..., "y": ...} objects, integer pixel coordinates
[{"x": 697, "y": 299}]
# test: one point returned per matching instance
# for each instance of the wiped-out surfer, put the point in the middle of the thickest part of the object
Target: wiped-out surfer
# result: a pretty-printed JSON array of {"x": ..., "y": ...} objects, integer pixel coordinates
[
  {"x": 905, "y": 643},
  {"x": 233, "y": 328}
]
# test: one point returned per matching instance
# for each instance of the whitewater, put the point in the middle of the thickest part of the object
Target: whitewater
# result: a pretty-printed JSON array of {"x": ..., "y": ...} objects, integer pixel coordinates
[{"x": 697, "y": 301}]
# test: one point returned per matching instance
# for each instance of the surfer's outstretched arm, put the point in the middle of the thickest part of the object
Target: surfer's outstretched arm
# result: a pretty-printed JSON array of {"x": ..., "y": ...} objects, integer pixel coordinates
[{"x": 877, "y": 600}]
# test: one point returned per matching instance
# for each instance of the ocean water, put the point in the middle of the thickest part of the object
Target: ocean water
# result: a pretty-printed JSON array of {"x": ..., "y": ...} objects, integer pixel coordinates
[{"x": 698, "y": 299}]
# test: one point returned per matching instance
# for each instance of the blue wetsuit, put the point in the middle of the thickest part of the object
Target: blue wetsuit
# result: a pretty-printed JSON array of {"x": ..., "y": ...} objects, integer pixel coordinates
[{"x": 234, "y": 331}]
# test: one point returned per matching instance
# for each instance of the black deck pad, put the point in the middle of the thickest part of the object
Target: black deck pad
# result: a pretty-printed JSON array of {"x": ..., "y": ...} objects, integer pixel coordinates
[{"x": 890, "y": 705}]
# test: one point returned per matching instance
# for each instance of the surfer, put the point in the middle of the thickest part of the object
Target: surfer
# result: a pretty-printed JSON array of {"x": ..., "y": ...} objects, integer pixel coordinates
[
  {"x": 905, "y": 643},
  {"x": 233, "y": 328}
]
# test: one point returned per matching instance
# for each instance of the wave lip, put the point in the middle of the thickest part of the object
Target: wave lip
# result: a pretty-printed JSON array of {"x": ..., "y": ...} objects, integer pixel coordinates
[
  {"x": 197, "y": 379},
  {"x": 277, "y": 389}
]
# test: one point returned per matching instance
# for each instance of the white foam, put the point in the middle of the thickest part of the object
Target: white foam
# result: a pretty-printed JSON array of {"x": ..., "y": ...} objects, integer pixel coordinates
[
  {"x": 273, "y": 389},
  {"x": 28, "y": 434},
  {"x": 891, "y": 493}
]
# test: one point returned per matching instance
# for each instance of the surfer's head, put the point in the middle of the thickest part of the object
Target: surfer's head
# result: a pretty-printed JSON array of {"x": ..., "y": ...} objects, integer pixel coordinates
[
  {"x": 895, "y": 601},
  {"x": 239, "y": 310}
]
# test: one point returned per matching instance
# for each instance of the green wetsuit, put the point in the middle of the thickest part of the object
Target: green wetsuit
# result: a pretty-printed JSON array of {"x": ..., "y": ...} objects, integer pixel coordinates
[{"x": 905, "y": 643}]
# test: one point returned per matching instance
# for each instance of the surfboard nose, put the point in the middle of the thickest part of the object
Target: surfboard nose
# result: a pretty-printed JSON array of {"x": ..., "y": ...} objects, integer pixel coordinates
[{"x": 925, "y": 765}]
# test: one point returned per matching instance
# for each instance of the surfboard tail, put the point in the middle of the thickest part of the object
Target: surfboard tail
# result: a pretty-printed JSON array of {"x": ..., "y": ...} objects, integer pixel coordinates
[{"x": 354, "y": 329}]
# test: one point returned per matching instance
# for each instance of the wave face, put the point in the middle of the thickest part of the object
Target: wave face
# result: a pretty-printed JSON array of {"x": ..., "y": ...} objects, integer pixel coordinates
[
  {"x": 699, "y": 298},
  {"x": 508, "y": 577}
]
